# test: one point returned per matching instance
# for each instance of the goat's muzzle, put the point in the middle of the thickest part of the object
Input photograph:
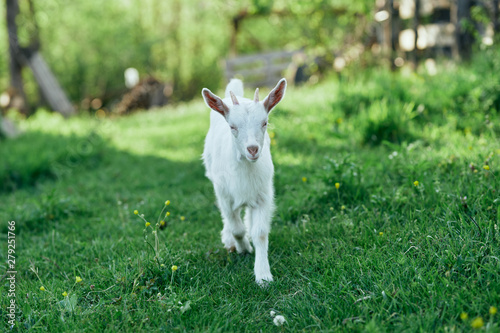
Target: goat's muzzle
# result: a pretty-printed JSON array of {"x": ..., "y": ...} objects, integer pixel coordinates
[{"x": 253, "y": 152}]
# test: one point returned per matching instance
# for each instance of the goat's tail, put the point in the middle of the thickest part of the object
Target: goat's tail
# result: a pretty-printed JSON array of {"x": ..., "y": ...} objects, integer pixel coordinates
[{"x": 236, "y": 86}]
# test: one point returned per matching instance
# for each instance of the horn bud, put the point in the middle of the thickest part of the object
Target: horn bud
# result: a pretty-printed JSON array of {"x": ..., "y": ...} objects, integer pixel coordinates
[
  {"x": 233, "y": 98},
  {"x": 256, "y": 96}
]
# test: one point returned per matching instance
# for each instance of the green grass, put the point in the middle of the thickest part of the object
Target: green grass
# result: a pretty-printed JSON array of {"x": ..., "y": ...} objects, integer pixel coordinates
[{"x": 376, "y": 254}]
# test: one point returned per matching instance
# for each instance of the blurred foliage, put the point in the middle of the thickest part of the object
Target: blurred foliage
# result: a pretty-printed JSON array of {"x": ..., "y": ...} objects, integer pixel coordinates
[
  {"x": 89, "y": 44},
  {"x": 319, "y": 26},
  {"x": 466, "y": 97}
]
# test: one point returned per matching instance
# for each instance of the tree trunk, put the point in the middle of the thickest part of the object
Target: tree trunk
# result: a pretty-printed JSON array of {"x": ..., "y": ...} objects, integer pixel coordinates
[
  {"x": 496, "y": 23},
  {"x": 464, "y": 37},
  {"x": 395, "y": 28},
  {"x": 416, "y": 22},
  {"x": 233, "y": 50},
  {"x": 15, "y": 57}
]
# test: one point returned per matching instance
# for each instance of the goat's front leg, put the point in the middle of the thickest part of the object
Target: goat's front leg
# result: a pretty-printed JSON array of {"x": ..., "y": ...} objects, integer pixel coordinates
[
  {"x": 260, "y": 220},
  {"x": 234, "y": 231}
]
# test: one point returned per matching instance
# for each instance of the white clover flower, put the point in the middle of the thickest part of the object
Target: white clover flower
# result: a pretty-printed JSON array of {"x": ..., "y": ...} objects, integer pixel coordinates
[
  {"x": 279, "y": 320},
  {"x": 273, "y": 313}
]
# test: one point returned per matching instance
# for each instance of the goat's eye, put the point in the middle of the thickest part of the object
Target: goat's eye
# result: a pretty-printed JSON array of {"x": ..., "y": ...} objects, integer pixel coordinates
[{"x": 264, "y": 124}]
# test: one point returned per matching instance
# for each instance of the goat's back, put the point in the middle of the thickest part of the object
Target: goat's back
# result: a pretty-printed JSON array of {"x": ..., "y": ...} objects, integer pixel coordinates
[{"x": 236, "y": 86}]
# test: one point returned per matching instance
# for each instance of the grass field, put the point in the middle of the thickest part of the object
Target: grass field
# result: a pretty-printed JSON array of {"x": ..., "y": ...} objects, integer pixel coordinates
[{"x": 409, "y": 241}]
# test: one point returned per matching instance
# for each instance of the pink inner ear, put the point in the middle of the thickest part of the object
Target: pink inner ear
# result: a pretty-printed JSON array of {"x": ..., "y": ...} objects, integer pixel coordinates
[
  {"x": 274, "y": 97},
  {"x": 214, "y": 103}
]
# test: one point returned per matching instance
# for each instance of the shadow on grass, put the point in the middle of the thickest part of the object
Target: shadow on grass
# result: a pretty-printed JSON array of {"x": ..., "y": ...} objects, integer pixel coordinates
[
  {"x": 49, "y": 179},
  {"x": 37, "y": 157}
]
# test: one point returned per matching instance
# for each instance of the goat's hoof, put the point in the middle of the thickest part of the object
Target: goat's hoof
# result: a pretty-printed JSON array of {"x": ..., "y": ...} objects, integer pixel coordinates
[
  {"x": 231, "y": 249},
  {"x": 244, "y": 248},
  {"x": 264, "y": 282},
  {"x": 245, "y": 251}
]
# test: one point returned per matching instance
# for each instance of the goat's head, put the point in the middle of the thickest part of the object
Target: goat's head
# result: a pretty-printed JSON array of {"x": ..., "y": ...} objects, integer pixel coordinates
[{"x": 247, "y": 119}]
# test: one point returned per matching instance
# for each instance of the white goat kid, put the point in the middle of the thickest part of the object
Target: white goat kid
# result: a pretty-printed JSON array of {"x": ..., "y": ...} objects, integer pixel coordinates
[{"x": 238, "y": 161}]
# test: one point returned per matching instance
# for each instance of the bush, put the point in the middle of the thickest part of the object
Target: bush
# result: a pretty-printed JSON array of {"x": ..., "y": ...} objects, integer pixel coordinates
[{"x": 388, "y": 122}]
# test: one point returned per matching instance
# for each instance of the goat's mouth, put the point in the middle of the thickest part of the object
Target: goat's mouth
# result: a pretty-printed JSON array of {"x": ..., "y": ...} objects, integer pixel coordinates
[{"x": 252, "y": 158}]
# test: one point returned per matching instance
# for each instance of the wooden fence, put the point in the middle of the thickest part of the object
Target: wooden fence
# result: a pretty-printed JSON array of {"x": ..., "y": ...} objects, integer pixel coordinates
[
  {"x": 418, "y": 28},
  {"x": 263, "y": 69}
]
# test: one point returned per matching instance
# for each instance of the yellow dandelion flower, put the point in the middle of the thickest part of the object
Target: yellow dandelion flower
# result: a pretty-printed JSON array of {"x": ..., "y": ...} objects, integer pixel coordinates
[
  {"x": 174, "y": 268},
  {"x": 136, "y": 212},
  {"x": 167, "y": 214},
  {"x": 339, "y": 121},
  {"x": 475, "y": 171},
  {"x": 167, "y": 202},
  {"x": 162, "y": 223},
  {"x": 182, "y": 218},
  {"x": 416, "y": 183},
  {"x": 65, "y": 294},
  {"x": 304, "y": 179},
  {"x": 272, "y": 135},
  {"x": 464, "y": 316},
  {"x": 477, "y": 323},
  {"x": 342, "y": 207},
  {"x": 381, "y": 233},
  {"x": 486, "y": 167},
  {"x": 42, "y": 288},
  {"x": 78, "y": 279},
  {"x": 337, "y": 185},
  {"x": 493, "y": 310},
  {"x": 147, "y": 224}
]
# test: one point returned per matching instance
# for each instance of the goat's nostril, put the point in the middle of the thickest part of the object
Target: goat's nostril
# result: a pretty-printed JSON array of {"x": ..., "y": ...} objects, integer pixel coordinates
[{"x": 253, "y": 150}]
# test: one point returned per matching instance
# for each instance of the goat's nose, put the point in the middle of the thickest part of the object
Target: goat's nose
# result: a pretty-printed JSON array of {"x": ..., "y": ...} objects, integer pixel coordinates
[{"x": 253, "y": 150}]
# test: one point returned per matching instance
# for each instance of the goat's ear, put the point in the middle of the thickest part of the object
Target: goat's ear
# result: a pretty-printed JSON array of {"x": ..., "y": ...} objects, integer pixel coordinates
[
  {"x": 275, "y": 96},
  {"x": 214, "y": 102}
]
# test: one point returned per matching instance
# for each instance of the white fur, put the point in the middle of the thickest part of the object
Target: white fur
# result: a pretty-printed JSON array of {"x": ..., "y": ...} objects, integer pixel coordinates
[{"x": 237, "y": 160}]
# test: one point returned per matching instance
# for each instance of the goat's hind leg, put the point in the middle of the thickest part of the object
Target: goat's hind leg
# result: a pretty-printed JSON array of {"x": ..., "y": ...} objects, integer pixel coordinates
[{"x": 234, "y": 231}]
